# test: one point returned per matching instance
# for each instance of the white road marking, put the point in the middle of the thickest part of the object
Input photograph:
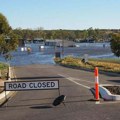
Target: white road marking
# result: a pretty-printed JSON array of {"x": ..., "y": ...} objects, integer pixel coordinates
[
  {"x": 76, "y": 79},
  {"x": 97, "y": 102},
  {"x": 82, "y": 80},
  {"x": 72, "y": 80},
  {"x": 109, "y": 102},
  {"x": 78, "y": 83}
]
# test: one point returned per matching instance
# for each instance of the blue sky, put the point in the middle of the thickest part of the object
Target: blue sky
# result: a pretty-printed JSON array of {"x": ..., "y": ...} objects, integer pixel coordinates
[{"x": 62, "y": 14}]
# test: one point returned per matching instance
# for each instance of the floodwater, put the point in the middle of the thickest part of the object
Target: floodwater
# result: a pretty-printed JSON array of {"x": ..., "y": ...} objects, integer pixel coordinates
[{"x": 46, "y": 55}]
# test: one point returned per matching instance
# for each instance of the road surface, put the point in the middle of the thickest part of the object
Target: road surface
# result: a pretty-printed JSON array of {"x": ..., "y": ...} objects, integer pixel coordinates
[{"x": 75, "y": 84}]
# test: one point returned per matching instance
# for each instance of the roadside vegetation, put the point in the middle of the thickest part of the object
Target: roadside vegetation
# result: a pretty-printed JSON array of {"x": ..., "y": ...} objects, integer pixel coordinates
[
  {"x": 3, "y": 74},
  {"x": 108, "y": 65},
  {"x": 115, "y": 44},
  {"x": 3, "y": 71},
  {"x": 8, "y": 40}
]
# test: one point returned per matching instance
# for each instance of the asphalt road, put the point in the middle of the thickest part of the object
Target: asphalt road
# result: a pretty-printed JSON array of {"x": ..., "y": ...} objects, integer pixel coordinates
[{"x": 75, "y": 84}]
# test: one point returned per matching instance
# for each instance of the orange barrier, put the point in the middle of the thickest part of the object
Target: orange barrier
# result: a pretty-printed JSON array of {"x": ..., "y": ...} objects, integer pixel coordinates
[{"x": 96, "y": 84}]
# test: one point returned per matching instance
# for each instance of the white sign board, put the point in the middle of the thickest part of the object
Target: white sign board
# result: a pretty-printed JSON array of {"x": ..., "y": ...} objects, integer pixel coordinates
[{"x": 31, "y": 85}]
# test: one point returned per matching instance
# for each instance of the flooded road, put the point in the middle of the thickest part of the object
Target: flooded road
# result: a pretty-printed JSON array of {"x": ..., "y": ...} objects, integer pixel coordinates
[{"x": 46, "y": 55}]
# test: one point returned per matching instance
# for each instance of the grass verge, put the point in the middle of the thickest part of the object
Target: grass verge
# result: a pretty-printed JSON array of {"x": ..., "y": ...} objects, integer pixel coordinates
[
  {"x": 3, "y": 70},
  {"x": 108, "y": 65}
]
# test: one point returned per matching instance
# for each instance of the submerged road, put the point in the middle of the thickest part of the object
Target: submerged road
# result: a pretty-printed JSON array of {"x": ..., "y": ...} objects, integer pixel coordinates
[
  {"x": 75, "y": 84},
  {"x": 46, "y": 55}
]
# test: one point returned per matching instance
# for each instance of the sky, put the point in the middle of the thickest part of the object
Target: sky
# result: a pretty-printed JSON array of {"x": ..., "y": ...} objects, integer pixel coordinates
[{"x": 62, "y": 14}]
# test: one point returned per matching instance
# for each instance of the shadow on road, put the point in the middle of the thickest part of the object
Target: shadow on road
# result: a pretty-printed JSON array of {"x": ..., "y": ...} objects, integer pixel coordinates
[
  {"x": 116, "y": 81},
  {"x": 41, "y": 77},
  {"x": 41, "y": 107},
  {"x": 37, "y": 99},
  {"x": 25, "y": 105}
]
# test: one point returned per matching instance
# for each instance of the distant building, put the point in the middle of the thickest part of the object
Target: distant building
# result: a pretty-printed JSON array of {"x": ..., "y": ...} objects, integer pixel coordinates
[
  {"x": 34, "y": 41},
  {"x": 53, "y": 42},
  {"x": 56, "y": 42},
  {"x": 60, "y": 43},
  {"x": 38, "y": 40}
]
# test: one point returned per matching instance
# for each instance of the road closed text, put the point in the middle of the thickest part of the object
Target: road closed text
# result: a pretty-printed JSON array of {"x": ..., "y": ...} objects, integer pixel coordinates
[{"x": 11, "y": 86}]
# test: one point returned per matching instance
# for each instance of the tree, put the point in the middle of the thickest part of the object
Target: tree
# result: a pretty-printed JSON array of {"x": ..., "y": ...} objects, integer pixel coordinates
[
  {"x": 8, "y": 40},
  {"x": 4, "y": 26},
  {"x": 115, "y": 44}
]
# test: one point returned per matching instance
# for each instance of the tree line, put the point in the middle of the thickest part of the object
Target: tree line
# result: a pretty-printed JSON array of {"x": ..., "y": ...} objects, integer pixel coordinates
[{"x": 97, "y": 35}]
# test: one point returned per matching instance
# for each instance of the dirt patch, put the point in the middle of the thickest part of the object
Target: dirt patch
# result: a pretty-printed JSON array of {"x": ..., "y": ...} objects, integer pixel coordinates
[{"x": 113, "y": 89}]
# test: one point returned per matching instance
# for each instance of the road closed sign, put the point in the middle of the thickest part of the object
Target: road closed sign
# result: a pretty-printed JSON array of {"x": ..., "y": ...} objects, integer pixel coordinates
[{"x": 31, "y": 85}]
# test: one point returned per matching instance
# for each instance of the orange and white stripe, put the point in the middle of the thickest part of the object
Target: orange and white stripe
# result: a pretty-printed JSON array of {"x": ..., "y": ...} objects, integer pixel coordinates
[{"x": 96, "y": 84}]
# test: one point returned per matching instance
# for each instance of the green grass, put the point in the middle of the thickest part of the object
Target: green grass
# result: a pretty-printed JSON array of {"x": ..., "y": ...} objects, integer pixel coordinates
[
  {"x": 3, "y": 70},
  {"x": 3, "y": 66}
]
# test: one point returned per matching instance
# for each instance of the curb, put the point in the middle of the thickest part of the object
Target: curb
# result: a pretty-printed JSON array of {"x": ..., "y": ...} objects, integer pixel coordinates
[
  {"x": 5, "y": 95},
  {"x": 106, "y": 95}
]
